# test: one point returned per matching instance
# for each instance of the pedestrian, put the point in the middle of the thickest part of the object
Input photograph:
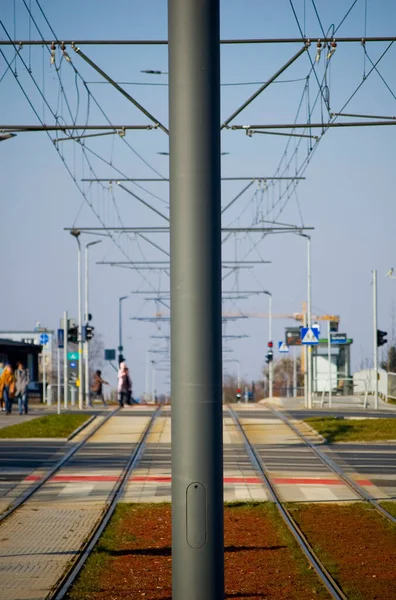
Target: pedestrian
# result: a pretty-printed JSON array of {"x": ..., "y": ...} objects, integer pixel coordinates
[
  {"x": 7, "y": 387},
  {"x": 22, "y": 379},
  {"x": 129, "y": 383},
  {"x": 97, "y": 387},
  {"x": 122, "y": 384},
  {"x": 2, "y": 407}
]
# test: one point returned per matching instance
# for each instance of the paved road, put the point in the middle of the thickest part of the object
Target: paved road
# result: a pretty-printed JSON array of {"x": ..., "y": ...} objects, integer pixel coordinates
[{"x": 19, "y": 458}]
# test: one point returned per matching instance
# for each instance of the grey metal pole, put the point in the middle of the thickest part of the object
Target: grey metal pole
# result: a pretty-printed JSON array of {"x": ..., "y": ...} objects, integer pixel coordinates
[
  {"x": 86, "y": 345},
  {"x": 294, "y": 372},
  {"x": 80, "y": 340},
  {"x": 59, "y": 381},
  {"x": 153, "y": 380},
  {"x": 147, "y": 375},
  {"x": 44, "y": 368},
  {"x": 65, "y": 363},
  {"x": 195, "y": 242},
  {"x": 375, "y": 326},
  {"x": 120, "y": 346},
  {"x": 305, "y": 355},
  {"x": 270, "y": 366},
  {"x": 329, "y": 359},
  {"x": 309, "y": 348}
]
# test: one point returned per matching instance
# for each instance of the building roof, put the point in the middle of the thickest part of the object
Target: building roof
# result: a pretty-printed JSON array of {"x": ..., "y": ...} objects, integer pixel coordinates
[{"x": 5, "y": 343}]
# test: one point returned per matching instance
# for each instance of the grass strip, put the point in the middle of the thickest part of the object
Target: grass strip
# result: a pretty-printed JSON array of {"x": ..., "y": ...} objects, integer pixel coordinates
[
  {"x": 335, "y": 429},
  {"x": 50, "y": 426},
  {"x": 109, "y": 542},
  {"x": 390, "y": 506}
]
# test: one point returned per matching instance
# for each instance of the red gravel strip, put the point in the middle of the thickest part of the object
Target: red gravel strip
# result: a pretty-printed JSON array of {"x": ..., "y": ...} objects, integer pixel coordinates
[
  {"x": 357, "y": 545},
  {"x": 261, "y": 559}
]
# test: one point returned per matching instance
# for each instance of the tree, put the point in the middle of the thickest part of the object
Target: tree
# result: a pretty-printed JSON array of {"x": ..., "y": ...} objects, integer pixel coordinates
[
  {"x": 389, "y": 364},
  {"x": 230, "y": 386},
  {"x": 282, "y": 373}
]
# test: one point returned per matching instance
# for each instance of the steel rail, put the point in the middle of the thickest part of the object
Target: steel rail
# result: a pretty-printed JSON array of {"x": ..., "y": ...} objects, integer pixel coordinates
[
  {"x": 331, "y": 464},
  {"x": 324, "y": 575},
  {"x": 35, "y": 487},
  {"x": 68, "y": 579}
]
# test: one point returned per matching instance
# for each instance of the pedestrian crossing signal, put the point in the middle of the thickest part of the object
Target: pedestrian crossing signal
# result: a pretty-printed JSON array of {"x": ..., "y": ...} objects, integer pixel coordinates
[
  {"x": 269, "y": 356},
  {"x": 89, "y": 332},
  {"x": 72, "y": 335},
  {"x": 381, "y": 335},
  {"x": 238, "y": 394}
]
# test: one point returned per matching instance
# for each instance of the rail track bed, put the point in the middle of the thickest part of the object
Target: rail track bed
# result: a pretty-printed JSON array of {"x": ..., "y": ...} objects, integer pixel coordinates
[{"x": 48, "y": 531}]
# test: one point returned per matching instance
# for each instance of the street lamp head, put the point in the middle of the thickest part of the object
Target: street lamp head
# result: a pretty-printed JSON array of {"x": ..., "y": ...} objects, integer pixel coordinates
[
  {"x": 390, "y": 272},
  {"x": 75, "y": 233},
  {"x": 93, "y": 243},
  {"x": 6, "y": 136},
  {"x": 123, "y": 298}
]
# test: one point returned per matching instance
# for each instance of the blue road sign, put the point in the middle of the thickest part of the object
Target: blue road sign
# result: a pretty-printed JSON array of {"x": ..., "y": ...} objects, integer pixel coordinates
[
  {"x": 109, "y": 354},
  {"x": 73, "y": 364},
  {"x": 309, "y": 336},
  {"x": 61, "y": 338},
  {"x": 44, "y": 339},
  {"x": 283, "y": 347},
  {"x": 338, "y": 338}
]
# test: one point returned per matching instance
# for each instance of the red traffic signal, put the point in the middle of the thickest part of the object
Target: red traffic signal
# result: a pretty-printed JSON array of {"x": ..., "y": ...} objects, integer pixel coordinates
[{"x": 270, "y": 344}]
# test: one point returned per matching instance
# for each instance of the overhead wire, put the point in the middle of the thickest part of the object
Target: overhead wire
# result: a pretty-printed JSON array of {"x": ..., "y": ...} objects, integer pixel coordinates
[{"x": 74, "y": 119}]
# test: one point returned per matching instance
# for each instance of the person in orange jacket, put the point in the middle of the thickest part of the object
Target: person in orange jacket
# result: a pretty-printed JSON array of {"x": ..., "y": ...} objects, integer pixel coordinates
[{"x": 7, "y": 387}]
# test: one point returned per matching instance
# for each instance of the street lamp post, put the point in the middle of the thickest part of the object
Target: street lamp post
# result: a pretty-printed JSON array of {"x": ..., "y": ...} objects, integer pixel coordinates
[
  {"x": 87, "y": 319},
  {"x": 120, "y": 347},
  {"x": 270, "y": 368},
  {"x": 153, "y": 379},
  {"x": 309, "y": 322},
  {"x": 76, "y": 234}
]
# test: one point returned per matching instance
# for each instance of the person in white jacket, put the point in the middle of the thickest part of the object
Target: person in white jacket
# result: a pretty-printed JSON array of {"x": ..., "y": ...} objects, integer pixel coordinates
[{"x": 123, "y": 384}]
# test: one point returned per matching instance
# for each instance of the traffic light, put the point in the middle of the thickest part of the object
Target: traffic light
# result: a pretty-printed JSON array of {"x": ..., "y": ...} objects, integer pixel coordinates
[
  {"x": 270, "y": 344},
  {"x": 269, "y": 356},
  {"x": 238, "y": 394},
  {"x": 89, "y": 332},
  {"x": 121, "y": 358},
  {"x": 381, "y": 341},
  {"x": 72, "y": 335}
]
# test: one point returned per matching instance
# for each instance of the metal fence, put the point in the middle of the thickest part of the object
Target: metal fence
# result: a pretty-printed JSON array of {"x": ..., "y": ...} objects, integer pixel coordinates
[
  {"x": 343, "y": 390},
  {"x": 391, "y": 386}
]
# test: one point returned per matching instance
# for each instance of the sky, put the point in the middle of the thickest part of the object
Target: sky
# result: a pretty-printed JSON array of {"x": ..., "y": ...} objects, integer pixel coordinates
[{"x": 347, "y": 193}]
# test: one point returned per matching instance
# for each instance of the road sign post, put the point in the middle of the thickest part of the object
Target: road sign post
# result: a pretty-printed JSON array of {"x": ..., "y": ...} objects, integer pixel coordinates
[
  {"x": 375, "y": 325},
  {"x": 65, "y": 363},
  {"x": 329, "y": 359},
  {"x": 59, "y": 380},
  {"x": 195, "y": 242}
]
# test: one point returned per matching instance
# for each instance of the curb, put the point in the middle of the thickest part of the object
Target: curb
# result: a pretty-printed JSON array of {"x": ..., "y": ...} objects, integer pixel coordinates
[{"x": 83, "y": 426}]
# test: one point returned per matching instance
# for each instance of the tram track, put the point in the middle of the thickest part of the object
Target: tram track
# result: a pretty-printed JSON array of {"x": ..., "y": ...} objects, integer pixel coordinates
[
  {"x": 334, "y": 468},
  {"x": 52, "y": 530},
  {"x": 25, "y": 496},
  {"x": 65, "y": 584},
  {"x": 320, "y": 569}
]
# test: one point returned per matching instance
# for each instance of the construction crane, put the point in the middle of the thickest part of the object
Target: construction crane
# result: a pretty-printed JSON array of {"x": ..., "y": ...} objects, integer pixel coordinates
[{"x": 296, "y": 316}]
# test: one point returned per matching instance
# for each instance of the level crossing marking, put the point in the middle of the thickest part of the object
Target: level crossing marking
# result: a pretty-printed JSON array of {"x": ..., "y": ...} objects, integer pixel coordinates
[{"x": 168, "y": 479}]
